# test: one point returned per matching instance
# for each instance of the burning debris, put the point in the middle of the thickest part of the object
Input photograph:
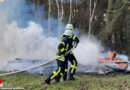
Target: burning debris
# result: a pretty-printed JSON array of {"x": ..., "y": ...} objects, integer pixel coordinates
[{"x": 114, "y": 63}]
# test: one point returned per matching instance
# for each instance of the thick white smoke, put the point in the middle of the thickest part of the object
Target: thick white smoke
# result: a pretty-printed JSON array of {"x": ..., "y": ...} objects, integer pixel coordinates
[
  {"x": 28, "y": 43},
  {"x": 88, "y": 51}
]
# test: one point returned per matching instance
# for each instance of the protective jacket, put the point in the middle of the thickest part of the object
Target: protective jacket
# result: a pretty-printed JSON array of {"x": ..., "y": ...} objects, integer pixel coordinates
[{"x": 66, "y": 44}]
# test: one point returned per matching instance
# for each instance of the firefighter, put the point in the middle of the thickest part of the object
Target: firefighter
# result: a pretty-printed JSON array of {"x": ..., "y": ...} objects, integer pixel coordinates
[{"x": 67, "y": 42}]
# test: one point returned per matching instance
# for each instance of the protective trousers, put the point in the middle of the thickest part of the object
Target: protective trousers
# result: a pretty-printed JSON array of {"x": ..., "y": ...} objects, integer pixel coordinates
[
  {"x": 59, "y": 71},
  {"x": 70, "y": 57}
]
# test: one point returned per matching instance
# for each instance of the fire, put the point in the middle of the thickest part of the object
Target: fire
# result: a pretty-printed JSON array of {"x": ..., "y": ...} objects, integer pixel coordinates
[
  {"x": 115, "y": 59},
  {"x": 120, "y": 64}
]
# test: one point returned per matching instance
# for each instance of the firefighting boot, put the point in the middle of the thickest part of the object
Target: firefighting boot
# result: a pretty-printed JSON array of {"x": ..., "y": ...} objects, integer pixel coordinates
[
  {"x": 65, "y": 76},
  {"x": 58, "y": 78},
  {"x": 71, "y": 77},
  {"x": 47, "y": 81}
]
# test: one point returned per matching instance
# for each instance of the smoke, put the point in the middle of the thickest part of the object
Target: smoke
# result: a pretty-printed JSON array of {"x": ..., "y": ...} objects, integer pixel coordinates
[
  {"x": 23, "y": 42},
  {"x": 88, "y": 51},
  {"x": 26, "y": 43}
]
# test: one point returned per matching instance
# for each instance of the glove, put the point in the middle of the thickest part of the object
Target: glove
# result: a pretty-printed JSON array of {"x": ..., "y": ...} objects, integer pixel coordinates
[{"x": 75, "y": 42}]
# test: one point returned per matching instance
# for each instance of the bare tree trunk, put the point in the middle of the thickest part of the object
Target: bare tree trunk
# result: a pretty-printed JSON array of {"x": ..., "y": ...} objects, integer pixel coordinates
[
  {"x": 70, "y": 11},
  {"x": 90, "y": 12},
  {"x": 108, "y": 36},
  {"x": 108, "y": 15},
  {"x": 49, "y": 14},
  {"x": 62, "y": 13},
  {"x": 57, "y": 2},
  {"x": 91, "y": 15}
]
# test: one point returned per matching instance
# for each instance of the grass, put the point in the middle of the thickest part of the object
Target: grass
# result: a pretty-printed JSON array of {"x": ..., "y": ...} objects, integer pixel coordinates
[{"x": 82, "y": 82}]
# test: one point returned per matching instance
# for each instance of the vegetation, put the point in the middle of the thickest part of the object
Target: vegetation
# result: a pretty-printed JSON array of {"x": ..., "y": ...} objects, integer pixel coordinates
[{"x": 82, "y": 82}]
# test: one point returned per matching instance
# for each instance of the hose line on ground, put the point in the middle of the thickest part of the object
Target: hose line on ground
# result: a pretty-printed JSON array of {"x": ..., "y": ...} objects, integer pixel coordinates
[{"x": 43, "y": 64}]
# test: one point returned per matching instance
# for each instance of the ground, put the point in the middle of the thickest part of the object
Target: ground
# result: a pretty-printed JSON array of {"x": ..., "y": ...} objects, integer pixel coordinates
[{"x": 82, "y": 82}]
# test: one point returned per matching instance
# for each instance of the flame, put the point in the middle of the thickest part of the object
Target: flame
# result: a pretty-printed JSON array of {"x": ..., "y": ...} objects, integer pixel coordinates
[
  {"x": 121, "y": 64},
  {"x": 116, "y": 59},
  {"x": 111, "y": 56}
]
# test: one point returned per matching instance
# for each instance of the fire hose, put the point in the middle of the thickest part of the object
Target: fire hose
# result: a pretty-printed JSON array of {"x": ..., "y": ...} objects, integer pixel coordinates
[{"x": 43, "y": 64}]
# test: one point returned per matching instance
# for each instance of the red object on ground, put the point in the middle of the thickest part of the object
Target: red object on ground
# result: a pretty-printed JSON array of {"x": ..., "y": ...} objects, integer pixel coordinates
[{"x": 0, "y": 80}]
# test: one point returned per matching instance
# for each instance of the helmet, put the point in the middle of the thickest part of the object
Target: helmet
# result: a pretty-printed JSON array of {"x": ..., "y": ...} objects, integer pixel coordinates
[
  {"x": 69, "y": 27},
  {"x": 69, "y": 30}
]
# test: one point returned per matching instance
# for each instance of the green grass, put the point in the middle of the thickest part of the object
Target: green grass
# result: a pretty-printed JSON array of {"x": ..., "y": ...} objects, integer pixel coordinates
[{"x": 82, "y": 82}]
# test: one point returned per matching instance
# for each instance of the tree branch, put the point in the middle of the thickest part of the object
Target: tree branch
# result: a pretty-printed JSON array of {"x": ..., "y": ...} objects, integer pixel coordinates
[
  {"x": 117, "y": 9},
  {"x": 126, "y": 1}
]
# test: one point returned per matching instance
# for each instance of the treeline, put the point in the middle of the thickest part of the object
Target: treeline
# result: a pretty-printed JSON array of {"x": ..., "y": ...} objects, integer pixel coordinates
[{"x": 111, "y": 20}]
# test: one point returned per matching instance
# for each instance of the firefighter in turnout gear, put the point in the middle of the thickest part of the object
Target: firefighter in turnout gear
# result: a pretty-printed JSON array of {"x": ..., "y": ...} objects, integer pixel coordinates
[
  {"x": 68, "y": 41},
  {"x": 71, "y": 40}
]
